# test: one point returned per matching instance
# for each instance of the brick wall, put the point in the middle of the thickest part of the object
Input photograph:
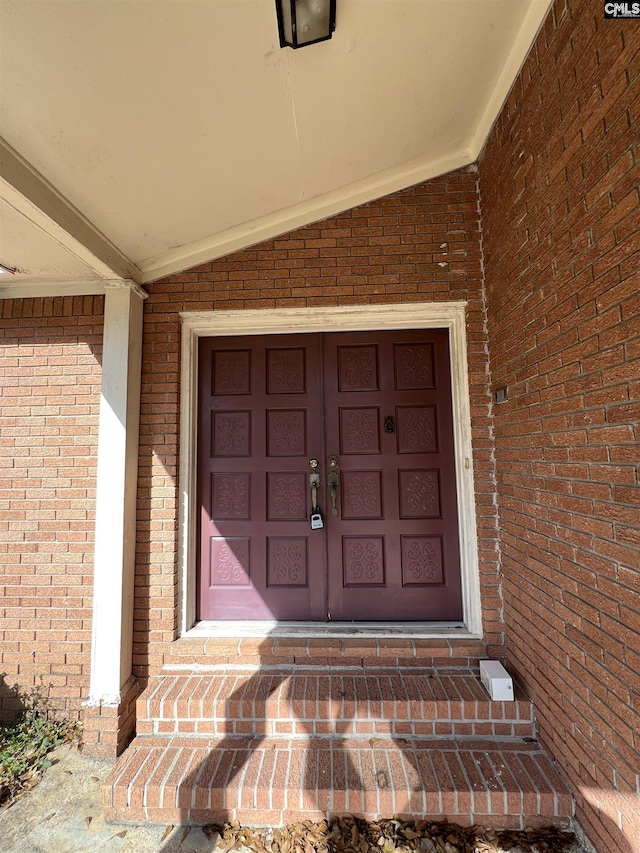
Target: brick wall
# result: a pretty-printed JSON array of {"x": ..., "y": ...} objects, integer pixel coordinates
[
  {"x": 49, "y": 396},
  {"x": 561, "y": 227},
  {"x": 422, "y": 244}
]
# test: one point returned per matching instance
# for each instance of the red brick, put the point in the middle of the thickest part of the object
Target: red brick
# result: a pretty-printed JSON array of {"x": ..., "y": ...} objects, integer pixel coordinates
[
  {"x": 585, "y": 227},
  {"x": 52, "y": 496}
]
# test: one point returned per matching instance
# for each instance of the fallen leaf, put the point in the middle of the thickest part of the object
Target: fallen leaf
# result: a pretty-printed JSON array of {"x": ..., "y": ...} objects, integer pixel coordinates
[
  {"x": 88, "y": 820},
  {"x": 167, "y": 832}
]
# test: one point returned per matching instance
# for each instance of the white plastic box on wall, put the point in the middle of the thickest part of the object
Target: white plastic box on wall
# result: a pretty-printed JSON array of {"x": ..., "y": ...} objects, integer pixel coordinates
[{"x": 497, "y": 681}]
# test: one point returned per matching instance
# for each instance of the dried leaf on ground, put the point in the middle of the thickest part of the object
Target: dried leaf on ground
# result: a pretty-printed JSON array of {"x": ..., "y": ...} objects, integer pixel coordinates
[{"x": 355, "y": 835}]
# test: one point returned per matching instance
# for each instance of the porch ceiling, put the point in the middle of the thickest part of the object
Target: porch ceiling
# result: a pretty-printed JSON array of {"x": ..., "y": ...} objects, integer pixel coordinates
[{"x": 145, "y": 137}]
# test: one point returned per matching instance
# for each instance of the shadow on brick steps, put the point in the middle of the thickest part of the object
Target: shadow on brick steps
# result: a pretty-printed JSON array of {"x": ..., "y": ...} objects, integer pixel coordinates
[{"x": 348, "y": 742}]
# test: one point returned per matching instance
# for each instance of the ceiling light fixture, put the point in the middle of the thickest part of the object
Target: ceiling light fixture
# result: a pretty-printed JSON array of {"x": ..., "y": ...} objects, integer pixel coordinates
[
  {"x": 6, "y": 268},
  {"x": 303, "y": 22}
]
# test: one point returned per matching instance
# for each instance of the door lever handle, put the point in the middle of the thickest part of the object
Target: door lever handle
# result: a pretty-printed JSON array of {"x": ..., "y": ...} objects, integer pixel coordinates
[
  {"x": 314, "y": 482},
  {"x": 333, "y": 481}
]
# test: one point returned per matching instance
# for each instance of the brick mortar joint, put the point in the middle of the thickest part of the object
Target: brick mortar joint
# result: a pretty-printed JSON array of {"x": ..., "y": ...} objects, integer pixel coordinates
[{"x": 491, "y": 426}]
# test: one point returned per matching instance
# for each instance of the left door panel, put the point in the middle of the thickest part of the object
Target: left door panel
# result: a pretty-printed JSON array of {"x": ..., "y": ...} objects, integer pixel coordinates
[{"x": 260, "y": 423}]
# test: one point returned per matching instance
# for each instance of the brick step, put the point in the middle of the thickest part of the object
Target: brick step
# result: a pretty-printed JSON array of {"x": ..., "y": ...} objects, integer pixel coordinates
[
  {"x": 199, "y": 653},
  {"x": 337, "y": 701},
  {"x": 273, "y": 781}
]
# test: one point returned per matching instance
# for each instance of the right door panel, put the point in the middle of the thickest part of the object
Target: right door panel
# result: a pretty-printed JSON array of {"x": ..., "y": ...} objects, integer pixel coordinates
[{"x": 393, "y": 546}]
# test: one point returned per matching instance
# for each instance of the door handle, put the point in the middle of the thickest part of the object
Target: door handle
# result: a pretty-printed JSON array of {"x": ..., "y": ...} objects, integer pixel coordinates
[
  {"x": 314, "y": 483},
  {"x": 333, "y": 480}
]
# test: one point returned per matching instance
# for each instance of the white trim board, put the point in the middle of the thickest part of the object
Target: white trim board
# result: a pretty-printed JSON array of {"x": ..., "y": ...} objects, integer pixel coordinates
[
  {"x": 423, "y": 315},
  {"x": 51, "y": 289}
]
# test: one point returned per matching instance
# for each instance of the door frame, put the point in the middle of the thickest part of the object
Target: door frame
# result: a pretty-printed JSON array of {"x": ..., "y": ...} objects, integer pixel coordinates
[{"x": 352, "y": 318}]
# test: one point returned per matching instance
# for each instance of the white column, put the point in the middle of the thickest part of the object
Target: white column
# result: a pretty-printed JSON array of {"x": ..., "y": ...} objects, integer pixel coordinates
[{"x": 115, "y": 531}]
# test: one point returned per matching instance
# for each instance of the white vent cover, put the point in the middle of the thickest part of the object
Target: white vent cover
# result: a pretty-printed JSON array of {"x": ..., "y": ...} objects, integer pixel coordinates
[{"x": 497, "y": 680}]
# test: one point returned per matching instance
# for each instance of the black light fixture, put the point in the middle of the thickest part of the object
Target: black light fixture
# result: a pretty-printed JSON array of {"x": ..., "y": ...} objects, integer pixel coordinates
[{"x": 303, "y": 22}]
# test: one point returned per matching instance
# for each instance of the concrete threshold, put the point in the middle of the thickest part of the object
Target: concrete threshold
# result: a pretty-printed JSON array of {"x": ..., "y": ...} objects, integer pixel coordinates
[{"x": 260, "y": 629}]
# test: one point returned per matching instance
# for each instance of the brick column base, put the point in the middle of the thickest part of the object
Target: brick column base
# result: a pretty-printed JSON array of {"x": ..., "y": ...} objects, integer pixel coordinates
[{"x": 108, "y": 729}]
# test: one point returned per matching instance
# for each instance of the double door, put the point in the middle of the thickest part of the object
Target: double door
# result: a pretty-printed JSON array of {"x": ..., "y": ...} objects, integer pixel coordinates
[{"x": 326, "y": 478}]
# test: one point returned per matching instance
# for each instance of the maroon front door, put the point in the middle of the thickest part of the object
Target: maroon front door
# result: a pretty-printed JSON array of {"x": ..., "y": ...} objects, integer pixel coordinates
[
  {"x": 261, "y": 405},
  {"x": 375, "y": 410}
]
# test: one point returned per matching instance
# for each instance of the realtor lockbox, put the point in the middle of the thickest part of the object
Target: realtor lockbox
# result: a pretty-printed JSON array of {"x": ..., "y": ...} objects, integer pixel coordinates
[{"x": 497, "y": 680}]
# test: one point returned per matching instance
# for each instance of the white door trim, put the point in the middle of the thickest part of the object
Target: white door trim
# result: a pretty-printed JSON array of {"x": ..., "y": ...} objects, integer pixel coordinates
[{"x": 423, "y": 315}]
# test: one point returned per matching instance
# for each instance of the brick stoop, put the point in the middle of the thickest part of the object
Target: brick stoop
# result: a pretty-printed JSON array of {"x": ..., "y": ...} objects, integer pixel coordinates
[
  {"x": 273, "y": 781},
  {"x": 314, "y": 701},
  {"x": 338, "y": 727},
  {"x": 200, "y": 653}
]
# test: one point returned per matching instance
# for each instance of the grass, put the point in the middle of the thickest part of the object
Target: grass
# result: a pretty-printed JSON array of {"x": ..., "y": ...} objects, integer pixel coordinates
[{"x": 25, "y": 745}]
